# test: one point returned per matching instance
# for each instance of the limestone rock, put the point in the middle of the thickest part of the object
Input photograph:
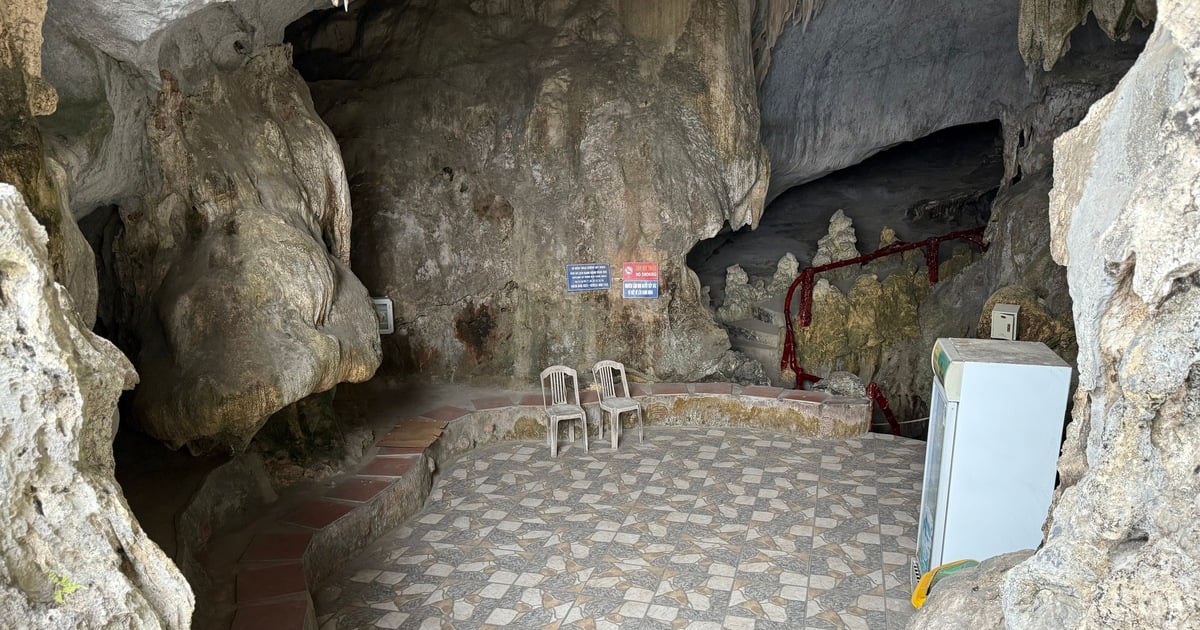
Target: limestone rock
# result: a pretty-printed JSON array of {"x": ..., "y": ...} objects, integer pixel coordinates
[
  {"x": 73, "y": 555},
  {"x": 740, "y": 295},
  {"x": 604, "y": 132},
  {"x": 1121, "y": 546},
  {"x": 970, "y": 598},
  {"x": 887, "y": 236},
  {"x": 1034, "y": 323},
  {"x": 737, "y": 367},
  {"x": 23, "y": 95},
  {"x": 148, "y": 37},
  {"x": 853, "y": 331},
  {"x": 236, "y": 271},
  {"x": 840, "y": 243},
  {"x": 1046, "y": 25},
  {"x": 21, "y": 30},
  {"x": 841, "y": 383},
  {"x": 785, "y": 273},
  {"x": 859, "y": 77},
  {"x": 1018, "y": 256}
]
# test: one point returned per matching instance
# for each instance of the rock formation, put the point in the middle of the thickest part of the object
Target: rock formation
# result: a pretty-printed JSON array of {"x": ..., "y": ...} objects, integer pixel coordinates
[
  {"x": 1046, "y": 25},
  {"x": 253, "y": 307},
  {"x": 24, "y": 94},
  {"x": 566, "y": 132},
  {"x": 72, "y": 554},
  {"x": 859, "y": 77},
  {"x": 1120, "y": 548},
  {"x": 839, "y": 244},
  {"x": 785, "y": 273},
  {"x": 740, "y": 295},
  {"x": 224, "y": 239},
  {"x": 1018, "y": 234}
]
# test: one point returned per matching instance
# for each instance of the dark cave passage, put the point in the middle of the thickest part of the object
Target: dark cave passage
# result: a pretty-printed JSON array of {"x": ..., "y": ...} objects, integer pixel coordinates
[{"x": 936, "y": 184}]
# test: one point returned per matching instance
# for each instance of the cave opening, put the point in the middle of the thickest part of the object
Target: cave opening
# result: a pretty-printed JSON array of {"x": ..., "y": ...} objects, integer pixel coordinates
[
  {"x": 939, "y": 183},
  {"x": 942, "y": 183},
  {"x": 367, "y": 95}
]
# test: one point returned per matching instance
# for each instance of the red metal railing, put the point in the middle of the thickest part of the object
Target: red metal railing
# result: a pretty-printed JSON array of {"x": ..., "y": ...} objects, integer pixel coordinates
[{"x": 807, "y": 279}]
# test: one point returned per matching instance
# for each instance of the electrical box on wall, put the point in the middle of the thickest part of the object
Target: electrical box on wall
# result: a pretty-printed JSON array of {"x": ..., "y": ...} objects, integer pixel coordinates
[{"x": 1004, "y": 321}]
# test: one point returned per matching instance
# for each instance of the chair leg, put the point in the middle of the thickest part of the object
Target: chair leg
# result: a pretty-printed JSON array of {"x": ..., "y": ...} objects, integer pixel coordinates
[
  {"x": 553, "y": 436},
  {"x": 571, "y": 431},
  {"x": 615, "y": 417},
  {"x": 641, "y": 434},
  {"x": 583, "y": 421}
]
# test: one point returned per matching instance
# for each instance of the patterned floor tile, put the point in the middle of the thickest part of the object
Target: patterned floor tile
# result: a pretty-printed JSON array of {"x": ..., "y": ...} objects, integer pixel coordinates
[{"x": 693, "y": 528}]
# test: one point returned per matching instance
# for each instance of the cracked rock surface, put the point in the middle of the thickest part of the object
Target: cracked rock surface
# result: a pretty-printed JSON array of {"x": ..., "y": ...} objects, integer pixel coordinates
[
  {"x": 71, "y": 553},
  {"x": 566, "y": 132}
]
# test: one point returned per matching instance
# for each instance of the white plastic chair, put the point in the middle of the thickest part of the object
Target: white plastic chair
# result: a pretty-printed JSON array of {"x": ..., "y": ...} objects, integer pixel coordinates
[
  {"x": 559, "y": 407},
  {"x": 612, "y": 401}
]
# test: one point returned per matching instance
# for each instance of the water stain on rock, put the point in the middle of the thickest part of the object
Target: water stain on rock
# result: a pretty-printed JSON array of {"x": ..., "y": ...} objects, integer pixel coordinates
[{"x": 476, "y": 328}]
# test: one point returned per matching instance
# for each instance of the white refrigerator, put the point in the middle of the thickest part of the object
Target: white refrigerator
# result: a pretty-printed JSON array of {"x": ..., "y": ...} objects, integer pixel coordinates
[{"x": 995, "y": 427}]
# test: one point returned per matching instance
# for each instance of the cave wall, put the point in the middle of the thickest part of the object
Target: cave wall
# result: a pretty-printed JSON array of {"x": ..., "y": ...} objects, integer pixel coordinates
[
  {"x": 71, "y": 553},
  {"x": 551, "y": 133},
  {"x": 224, "y": 235},
  {"x": 1045, "y": 26},
  {"x": 881, "y": 327},
  {"x": 1120, "y": 547},
  {"x": 858, "y": 77}
]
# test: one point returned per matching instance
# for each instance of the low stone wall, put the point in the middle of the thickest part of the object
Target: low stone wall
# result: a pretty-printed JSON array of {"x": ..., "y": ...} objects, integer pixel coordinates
[{"x": 283, "y": 563}]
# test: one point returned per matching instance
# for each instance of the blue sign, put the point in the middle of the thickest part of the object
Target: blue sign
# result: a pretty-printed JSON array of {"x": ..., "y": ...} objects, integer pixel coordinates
[
  {"x": 588, "y": 277},
  {"x": 639, "y": 289}
]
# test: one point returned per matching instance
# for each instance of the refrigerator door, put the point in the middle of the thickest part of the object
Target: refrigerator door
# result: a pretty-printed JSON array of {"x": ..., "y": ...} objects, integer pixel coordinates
[{"x": 931, "y": 529}]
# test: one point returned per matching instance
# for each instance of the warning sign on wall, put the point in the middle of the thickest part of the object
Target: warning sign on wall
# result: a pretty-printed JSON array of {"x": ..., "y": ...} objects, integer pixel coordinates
[
  {"x": 639, "y": 280},
  {"x": 639, "y": 271}
]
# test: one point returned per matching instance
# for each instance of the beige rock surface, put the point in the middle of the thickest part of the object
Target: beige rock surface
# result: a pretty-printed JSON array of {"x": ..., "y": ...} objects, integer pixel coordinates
[
  {"x": 241, "y": 297},
  {"x": 1046, "y": 25},
  {"x": 570, "y": 132},
  {"x": 71, "y": 554},
  {"x": 1120, "y": 549},
  {"x": 24, "y": 94}
]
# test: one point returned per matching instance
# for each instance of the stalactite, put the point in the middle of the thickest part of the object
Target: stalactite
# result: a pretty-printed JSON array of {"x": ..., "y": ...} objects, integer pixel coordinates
[
  {"x": 770, "y": 18},
  {"x": 1045, "y": 25}
]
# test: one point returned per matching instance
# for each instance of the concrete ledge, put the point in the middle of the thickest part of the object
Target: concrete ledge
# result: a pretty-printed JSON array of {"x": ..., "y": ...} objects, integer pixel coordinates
[{"x": 309, "y": 543}]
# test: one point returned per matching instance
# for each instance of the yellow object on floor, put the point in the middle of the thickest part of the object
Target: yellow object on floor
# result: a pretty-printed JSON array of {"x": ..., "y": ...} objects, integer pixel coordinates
[{"x": 931, "y": 577}]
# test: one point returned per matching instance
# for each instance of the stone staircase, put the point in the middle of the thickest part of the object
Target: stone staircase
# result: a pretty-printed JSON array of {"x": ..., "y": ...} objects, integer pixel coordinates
[{"x": 761, "y": 336}]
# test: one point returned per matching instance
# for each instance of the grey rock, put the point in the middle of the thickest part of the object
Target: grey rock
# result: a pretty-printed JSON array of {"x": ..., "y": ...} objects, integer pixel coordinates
[
  {"x": 969, "y": 598},
  {"x": 595, "y": 132},
  {"x": 1046, "y": 25},
  {"x": 839, "y": 244},
  {"x": 78, "y": 269},
  {"x": 252, "y": 307},
  {"x": 842, "y": 384},
  {"x": 232, "y": 494},
  {"x": 863, "y": 76},
  {"x": 1120, "y": 549},
  {"x": 785, "y": 273},
  {"x": 147, "y": 35},
  {"x": 73, "y": 555},
  {"x": 740, "y": 295}
]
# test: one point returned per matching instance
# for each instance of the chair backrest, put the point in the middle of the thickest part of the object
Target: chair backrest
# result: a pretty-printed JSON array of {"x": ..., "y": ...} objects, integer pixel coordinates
[
  {"x": 557, "y": 376},
  {"x": 602, "y": 373}
]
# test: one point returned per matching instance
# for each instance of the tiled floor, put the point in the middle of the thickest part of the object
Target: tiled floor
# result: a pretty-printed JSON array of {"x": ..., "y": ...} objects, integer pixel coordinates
[{"x": 694, "y": 527}]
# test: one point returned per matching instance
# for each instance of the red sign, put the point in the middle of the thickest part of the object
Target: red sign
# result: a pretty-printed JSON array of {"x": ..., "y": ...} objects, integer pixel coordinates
[{"x": 639, "y": 271}]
